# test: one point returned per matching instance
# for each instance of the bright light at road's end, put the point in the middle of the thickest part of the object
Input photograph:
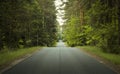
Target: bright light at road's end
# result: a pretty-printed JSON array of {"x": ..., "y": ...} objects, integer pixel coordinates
[{"x": 60, "y": 5}]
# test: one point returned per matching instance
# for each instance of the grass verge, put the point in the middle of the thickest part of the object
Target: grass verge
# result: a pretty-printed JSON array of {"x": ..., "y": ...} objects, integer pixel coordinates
[
  {"x": 7, "y": 57},
  {"x": 113, "y": 58}
]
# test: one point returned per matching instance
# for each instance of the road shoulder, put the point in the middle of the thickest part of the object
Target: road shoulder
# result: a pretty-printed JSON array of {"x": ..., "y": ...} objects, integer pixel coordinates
[
  {"x": 17, "y": 61},
  {"x": 109, "y": 64}
]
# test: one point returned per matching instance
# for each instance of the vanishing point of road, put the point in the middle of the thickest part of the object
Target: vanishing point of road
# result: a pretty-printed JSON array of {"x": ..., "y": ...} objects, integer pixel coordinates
[{"x": 60, "y": 60}]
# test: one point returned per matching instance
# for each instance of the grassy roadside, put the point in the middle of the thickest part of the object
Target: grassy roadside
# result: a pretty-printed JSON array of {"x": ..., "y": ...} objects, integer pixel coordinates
[
  {"x": 113, "y": 58},
  {"x": 7, "y": 57}
]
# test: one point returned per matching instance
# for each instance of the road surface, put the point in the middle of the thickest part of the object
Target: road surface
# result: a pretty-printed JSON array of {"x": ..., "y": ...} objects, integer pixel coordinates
[{"x": 60, "y": 60}]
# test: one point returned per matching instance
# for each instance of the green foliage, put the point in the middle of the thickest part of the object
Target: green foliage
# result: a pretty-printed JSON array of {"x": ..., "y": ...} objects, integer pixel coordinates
[
  {"x": 27, "y": 23},
  {"x": 94, "y": 23}
]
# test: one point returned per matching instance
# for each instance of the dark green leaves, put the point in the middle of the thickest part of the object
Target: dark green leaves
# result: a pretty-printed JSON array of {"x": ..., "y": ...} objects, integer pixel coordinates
[{"x": 27, "y": 23}]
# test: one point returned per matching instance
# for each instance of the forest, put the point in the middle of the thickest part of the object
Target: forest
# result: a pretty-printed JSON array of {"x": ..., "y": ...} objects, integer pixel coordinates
[
  {"x": 27, "y": 23},
  {"x": 93, "y": 23}
]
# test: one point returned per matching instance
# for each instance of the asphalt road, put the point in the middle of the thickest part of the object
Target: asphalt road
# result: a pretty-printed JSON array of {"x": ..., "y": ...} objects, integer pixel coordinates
[{"x": 60, "y": 60}]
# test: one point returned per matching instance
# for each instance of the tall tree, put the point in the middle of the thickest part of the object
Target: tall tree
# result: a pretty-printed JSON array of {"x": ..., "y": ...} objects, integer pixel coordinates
[
  {"x": 27, "y": 23},
  {"x": 97, "y": 23}
]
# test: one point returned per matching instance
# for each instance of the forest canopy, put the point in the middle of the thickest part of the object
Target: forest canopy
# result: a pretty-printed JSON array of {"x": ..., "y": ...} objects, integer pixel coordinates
[
  {"x": 93, "y": 22},
  {"x": 26, "y": 23}
]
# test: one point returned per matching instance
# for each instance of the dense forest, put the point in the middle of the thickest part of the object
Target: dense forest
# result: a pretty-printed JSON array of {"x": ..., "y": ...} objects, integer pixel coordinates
[
  {"x": 26, "y": 23},
  {"x": 94, "y": 23}
]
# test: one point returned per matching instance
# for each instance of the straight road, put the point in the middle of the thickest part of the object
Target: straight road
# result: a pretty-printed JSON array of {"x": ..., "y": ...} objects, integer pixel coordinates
[{"x": 60, "y": 60}]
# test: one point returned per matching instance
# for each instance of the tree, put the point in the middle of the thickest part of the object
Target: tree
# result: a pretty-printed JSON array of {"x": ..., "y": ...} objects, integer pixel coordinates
[
  {"x": 27, "y": 23},
  {"x": 97, "y": 24}
]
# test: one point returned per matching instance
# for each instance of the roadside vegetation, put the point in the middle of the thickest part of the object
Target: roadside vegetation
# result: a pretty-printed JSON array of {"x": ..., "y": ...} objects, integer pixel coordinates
[
  {"x": 24, "y": 26},
  {"x": 27, "y": 23},
  {"x": 94, "y": 26},
  {"x": 93, "y": 23},
  {"x": 113, "y": 58},
  {"x": 8, "y": 56}
]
